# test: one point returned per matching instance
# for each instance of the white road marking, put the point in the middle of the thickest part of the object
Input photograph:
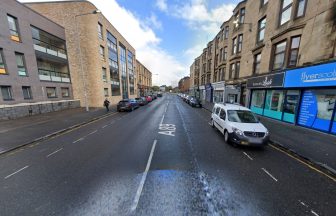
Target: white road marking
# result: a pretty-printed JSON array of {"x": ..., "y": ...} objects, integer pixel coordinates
[
  {"x": 314, "y": 213},
  {"x": 270, "y": 175},
  {"x": 248, "y": 156},
  {"x": 162, "y": 119},
  {"x": 304, "y": 204},
  {"x": 143, "y": 179},
  {"x": 80, "y": 139},
  {"x": 104, "y": 126},
  {"x": 93, "y": 132},
  {"x": 54, "y": 152},
  {"x": 16, "y": 172}
]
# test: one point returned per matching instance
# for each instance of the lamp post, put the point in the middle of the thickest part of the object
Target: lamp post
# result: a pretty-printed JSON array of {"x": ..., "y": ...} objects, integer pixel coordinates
[{"x": 80, "y": 57}]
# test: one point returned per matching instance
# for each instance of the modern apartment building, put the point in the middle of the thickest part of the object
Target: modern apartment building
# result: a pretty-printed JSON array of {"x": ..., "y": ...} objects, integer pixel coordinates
[
  {"x": 34, "y": 67},
  {"x": 101, "y": 60},
  {"x": 144, "y": 79},
  {"x": 278, "y": 58}
]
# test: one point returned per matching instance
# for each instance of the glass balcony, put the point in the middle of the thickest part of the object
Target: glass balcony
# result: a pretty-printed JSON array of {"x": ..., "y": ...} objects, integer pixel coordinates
[
  {"x": 53, "y": 76},
  {"x": 49, "y": 49}
]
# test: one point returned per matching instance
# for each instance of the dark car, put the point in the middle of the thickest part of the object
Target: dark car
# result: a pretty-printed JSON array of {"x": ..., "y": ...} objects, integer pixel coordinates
[
  {"x": 127, "y": 105},
  {"x": 141, "y": 101},
  {"x": 159, "y": 95},
  {"x": 194, "y": 102},
  {"x": 154, "y": 97}
]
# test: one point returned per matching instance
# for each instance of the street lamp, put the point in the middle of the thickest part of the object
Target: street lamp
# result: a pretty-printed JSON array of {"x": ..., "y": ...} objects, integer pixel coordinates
[{"x": 80, "y": 56}]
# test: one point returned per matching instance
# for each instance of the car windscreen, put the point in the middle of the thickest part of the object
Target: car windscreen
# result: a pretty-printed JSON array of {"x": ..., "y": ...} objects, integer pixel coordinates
[{"x": 241, "y": 116}]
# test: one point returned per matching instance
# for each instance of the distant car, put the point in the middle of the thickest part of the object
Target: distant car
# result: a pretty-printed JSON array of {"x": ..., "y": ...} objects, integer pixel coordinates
[
  {"x": 194, "y": 102},
  {"x": 159, "y": 95},
  {"x": 154, "y": 96},
  {"x": 127, "y": 105},
  {"x": 239, "y": 125},
  {"x": 141, "y": 101},
  {"x": 149, "y": 99}
]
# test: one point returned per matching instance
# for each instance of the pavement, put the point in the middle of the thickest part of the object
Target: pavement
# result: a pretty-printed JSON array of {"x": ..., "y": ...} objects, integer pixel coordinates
[
  {"x": 316, "y": 147},
  {"x": 161, "y": 159}
]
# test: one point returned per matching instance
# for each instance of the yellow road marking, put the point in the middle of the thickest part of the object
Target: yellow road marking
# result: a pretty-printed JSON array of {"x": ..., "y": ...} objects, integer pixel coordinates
[{"x": 305, "y": 163}]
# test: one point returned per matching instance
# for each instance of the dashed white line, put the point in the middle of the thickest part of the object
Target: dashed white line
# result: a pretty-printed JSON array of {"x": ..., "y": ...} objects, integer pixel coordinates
[
  {"x": 93, "y": 132},
  {"x": 249, "y": 157},
  {"x": 143, "y": 179},
  {"x": 104, "y": 126},
  {"x": 269, "y": 174},
  {"x": 80, "y": 139},
  {"x": 314, "y": 213},
  {"x": 54, "y": 152},
  {"x": 16, "y": 172},
  {"x": 162, "y": 119},
  {"x": 304, "y": 204}
]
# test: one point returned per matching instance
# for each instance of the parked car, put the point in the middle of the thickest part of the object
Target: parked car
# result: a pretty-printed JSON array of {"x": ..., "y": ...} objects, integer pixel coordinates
[
  {"x": 149, "y": 99},
  {"x": 154, "y": 96},
  {"x": 194, "y": 102},
  {"x": 145, "y": 100},
  {"x": 159, "y": 95},
  {"x": 239, "y": 125},
  {"x": 141, "y": 101},
  {"x": 127, "y": 105}
]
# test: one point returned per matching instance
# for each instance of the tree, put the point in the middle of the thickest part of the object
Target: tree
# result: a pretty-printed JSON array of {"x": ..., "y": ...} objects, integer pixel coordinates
[
  {"x": 155, "y": 88},
  {"x": 168, "y": 88}
]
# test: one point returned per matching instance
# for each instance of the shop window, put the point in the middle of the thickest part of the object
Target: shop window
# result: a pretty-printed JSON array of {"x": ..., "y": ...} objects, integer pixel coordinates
[
  {"x": 316, "y": 109},
  {"x": 257, "y": 101},
  {"x": 218, "y": 96},
  {"x": 274, "y": 103},
  {"x": 290, "y": 105}
]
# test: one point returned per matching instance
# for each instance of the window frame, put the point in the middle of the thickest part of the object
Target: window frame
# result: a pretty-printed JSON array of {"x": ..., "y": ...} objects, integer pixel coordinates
[
  {"x": 242, "y": 15},
  {"x": 290, "y": 50},
  {"x": 261, "y": 29},
  {"x": 4, "y": 68},
  {"x": 100, "y": 31},
  {"x": 274, "y": 55},
  {"x": 104, "y": 74},
  {"x": 234, "y": 45},
  {"x": 225, "y": 53},
  {"x": 297, "y": 8},
  {"x": 255, "y": 63},
  {"x": 9, "y": 91},
  {"x": 102, "y": 55},
  {"x": 232, "y": 70},
  {"x": 240, "y": 43},
  {"x": 237, "y": 70},
  {"x": 226, "y": 32},
  {"x": 282, "y": 10},
  {"x": 68, "y": 91},
  {"x": 21, "y": 66},
  {"x": 51, "y": 88},
  {"x": 17, "y": 38},
  {"x": 29, "y": 92}
]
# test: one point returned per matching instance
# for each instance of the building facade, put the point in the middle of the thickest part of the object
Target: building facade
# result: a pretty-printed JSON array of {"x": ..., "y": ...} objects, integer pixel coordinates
[
  {"x": 34, "y": 71},
  {"x": 144, "y": 79},
  {"x": 184, "y": 84},
  {"x": 101, "y": 60},
  {"x": 278, "y": 58}
]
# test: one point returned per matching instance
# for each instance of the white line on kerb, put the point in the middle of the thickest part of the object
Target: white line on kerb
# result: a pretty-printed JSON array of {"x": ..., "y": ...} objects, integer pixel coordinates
[
  {"x": 55, "y": 152},
  {"x": 93, "y": 132},
  {"x": 16, "y": 172},
  {"x": 162, "y": 119},
  {"x": 143, "y": 179},
  {"x": 270, "y": 175},
  {"x": 80, "y": 139},
  {"x": 314, "y": 213},
  {"x": 248, "y": 156}
]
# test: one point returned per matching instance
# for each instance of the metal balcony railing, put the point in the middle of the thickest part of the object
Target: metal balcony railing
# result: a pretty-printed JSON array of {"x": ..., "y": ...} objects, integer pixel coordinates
[
  {"x": 53, "y": 76},
  {"x": 49, "y": 49}
]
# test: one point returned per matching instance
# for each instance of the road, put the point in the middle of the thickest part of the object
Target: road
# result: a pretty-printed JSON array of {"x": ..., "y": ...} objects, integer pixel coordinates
[{"x": 161, "y": 159}]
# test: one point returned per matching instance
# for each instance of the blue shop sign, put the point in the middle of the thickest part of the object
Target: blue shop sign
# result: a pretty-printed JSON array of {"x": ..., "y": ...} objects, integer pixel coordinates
[{"x": 319, "y": 75}]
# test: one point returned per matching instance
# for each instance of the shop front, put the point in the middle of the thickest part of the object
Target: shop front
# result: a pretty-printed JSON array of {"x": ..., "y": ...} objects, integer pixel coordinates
[
  {"x": 208, "y": 92},
  {"x": 304, "y": 96},
  {"x": 218, "y": 92},
  {"x": 232, "y": 94}
]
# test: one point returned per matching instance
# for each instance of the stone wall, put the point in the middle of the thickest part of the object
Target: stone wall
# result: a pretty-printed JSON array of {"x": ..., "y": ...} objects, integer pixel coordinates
[{"x": 22, "y": 110}]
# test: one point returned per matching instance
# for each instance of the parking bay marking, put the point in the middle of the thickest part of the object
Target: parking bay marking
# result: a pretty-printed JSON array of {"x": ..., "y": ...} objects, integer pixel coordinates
[{"x": 167, "y": 129}]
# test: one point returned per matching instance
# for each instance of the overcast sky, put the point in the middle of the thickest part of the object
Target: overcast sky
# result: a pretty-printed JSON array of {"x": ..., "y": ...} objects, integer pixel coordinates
[{"x": 167, "y": 34}]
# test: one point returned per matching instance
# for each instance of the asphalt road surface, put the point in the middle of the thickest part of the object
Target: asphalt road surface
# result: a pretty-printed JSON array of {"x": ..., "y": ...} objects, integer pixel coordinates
[{"x": 161, "y": 159}]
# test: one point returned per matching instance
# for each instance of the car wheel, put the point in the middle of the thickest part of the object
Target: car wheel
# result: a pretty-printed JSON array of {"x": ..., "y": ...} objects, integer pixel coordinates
[{"x": 226, "y": 136}]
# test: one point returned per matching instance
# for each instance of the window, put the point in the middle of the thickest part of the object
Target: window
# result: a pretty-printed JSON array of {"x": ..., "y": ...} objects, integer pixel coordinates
[
  {"x": 20, "y": 64},
  {"x": 26, "y": 90},
  {"x": 51, "y": 92},
  {"x": 100, "y": 31},
  {"x": 263, "y": 2},
  {"x": 102, "y": 52},
  {"x": 257, "y": 101},
  {"x": 225, "y": 54},
  {"x": 13, "y": 28},
  {"x": 65, "y": 92},
  {"x": 261, "y": 30},
  {"x": 226, "y": 32},
  {"x": 237, "y": 70},
  {"x": 221, "y": 55},
  {"x": 257, "y": 60},
  {"x": 291, "y": 102},
  {"x": 6, "y": 92},
  {"x": 234, "y": 46},
  {"x": 274, "y": 104},
  {"x": 217, "y": 110},
  {"x": 232, "y": 71},
  {"x": 242, "y": 15},
  {"x": 223, "y": 74},
  {"x": 294, "y": 51},
  {"x": 104, "y": 75},
  {"x": 222, "y": 114},
  {"x": 106, "y": 92},
  {"x": 301, "y": 8},
  {"x": 2, "y": 63},
  {"x": 115, "y": 88},
  {"x": 279, "y": 55},
  {"x": 240, "y": 43},
  {"x": 111, "y": 42},
  {"x": 286, "y": 11}
]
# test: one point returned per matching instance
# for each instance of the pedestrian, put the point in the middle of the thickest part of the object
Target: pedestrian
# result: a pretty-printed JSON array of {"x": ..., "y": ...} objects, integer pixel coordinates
[{"x": 106, "y": 104}]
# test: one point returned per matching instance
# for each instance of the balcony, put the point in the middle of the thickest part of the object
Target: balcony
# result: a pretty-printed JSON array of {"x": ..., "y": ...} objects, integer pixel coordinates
[
  {"x": 53, "y": 76},
  {"x": 49, "y": 49}
]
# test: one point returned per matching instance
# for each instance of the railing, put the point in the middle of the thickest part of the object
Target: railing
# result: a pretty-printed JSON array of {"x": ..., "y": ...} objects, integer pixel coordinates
[
  {"x": 53, "y": 76},
  {"x": 50, "y": 49}
]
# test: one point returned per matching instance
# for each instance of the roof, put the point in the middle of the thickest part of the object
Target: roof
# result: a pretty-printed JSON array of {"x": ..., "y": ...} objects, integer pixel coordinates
[{"x": 227, "y": 106}]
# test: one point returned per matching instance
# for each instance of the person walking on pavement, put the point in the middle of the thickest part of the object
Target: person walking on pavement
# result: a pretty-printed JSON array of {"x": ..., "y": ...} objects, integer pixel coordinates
[{"x": 106, "y": 104}]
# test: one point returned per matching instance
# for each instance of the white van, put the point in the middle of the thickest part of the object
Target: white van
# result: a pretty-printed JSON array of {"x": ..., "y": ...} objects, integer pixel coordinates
[{"x": 239, "y": 125}]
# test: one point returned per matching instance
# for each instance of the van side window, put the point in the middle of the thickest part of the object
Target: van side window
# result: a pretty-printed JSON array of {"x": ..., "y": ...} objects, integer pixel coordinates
[
  {"x": 222, "y": 114},
  {"x": 214, "y": 110},
  {"x": 217, "y": 110}
]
